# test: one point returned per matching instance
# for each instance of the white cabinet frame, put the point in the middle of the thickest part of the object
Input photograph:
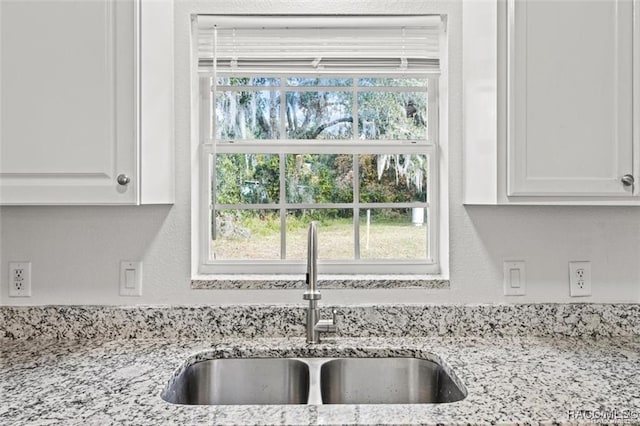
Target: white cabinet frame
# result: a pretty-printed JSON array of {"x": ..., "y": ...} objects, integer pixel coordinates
[
  {"x": 56, "y": 151},
  {"x": 486, "y": 29},
  {"x": 566, "y": 119}
]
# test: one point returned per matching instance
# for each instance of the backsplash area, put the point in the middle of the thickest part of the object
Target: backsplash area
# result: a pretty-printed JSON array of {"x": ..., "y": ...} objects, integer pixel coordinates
[{"x": 211, "y": 322}]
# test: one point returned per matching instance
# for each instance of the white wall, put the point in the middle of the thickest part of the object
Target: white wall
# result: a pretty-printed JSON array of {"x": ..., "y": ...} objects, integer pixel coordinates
[{"x": 76, "y": 250}]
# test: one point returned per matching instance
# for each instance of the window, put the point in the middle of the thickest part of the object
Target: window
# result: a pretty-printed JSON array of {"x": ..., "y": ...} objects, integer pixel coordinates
[{"x": 318, "y": 118}]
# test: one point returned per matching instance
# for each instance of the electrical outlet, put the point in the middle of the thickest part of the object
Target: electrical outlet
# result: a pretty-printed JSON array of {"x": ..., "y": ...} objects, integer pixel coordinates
[
  {"x": 19, "y": 279},
  {"x": 580, "y": 278}
]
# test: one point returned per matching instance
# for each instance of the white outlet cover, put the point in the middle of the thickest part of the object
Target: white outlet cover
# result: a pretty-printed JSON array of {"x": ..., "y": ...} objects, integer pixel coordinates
[
  {"x": 19, "y": 283},
  {"x": 580, "y": 278}
]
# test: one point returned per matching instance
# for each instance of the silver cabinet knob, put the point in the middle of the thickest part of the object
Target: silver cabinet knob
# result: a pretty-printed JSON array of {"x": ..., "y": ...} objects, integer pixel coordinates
[
  {"x": 123, "y": 179},
  {"x": 627, "y": 180}
]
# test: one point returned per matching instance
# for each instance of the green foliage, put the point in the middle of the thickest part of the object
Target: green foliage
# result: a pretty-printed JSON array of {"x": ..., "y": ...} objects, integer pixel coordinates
[
  {"x": 319, "y": 115},
  {"x": 261, "y": 222},
  {"x": 267, "y": 173},
  {"x": 300, "y": 218},
  {"x": 319, "y": 178},
  {"x": 392, "y": 115},
  {"x": 247, "y": 178},
  {"x": 315, "y": 178},
  {"x": 390, "y": 186},
  {"x": 228, "y": 175},
  {"x": 327, "y": 220}
]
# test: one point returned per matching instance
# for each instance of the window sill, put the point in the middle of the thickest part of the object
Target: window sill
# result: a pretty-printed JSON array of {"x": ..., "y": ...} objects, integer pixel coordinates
[{"x": 260, "y": 282}]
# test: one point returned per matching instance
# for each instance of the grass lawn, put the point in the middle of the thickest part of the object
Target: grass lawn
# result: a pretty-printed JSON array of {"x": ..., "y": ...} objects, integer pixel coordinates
[{"x": 335, "y": 241}]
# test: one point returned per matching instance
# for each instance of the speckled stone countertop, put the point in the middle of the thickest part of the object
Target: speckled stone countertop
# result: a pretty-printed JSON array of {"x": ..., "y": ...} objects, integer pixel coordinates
[
  {"x": 324, "y": 282},
  {"x": 509, "y": 381},
  {"x": 520, "y": 364},
  {"x": 249, "y": 321}
]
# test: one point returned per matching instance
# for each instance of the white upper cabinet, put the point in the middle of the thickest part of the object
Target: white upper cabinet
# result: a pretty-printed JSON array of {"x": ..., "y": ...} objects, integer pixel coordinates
[
  {"x": 74, "y": 105},
  {"x": 562, "y": 78},
  {"x": 570, "y": 97}
]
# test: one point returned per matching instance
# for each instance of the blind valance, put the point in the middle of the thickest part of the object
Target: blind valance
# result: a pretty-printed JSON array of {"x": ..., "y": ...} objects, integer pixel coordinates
[{"x": 320, "y": 45}]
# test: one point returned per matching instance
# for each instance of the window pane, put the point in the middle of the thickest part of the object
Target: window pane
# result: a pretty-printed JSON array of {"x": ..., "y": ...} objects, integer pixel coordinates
[
  {"x": 399, "y": 234},
  {"x": 335, "y": 233},
  {"x": 319, "y": 178},
  {"x": 246, "y": 234},
  {"x": 403, "y": 82},
  {"x": 319, "y": 115},
  {"x": 248, "y": 115},
  {"x": 304, "y": 81},
  {"x": 392, "y": 115},
  {"x": 393, "y": 178},
  {"x": 206, "y": 107},
  {"x": 247, "y": 178},
  {"x": 248, "y": 81}
]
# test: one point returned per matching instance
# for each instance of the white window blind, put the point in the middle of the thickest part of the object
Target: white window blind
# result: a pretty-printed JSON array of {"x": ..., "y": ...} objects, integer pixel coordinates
[{"x": 320, "y": 45}]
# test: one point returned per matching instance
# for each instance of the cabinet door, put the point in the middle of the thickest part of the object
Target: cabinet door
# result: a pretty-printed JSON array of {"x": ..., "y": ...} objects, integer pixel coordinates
[
  {"x": 570, "y": 97},
  {"x": 68, "y": 112}
]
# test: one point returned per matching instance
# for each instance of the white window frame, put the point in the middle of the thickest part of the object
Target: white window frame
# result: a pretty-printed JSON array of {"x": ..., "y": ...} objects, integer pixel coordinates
[{"x": 437, "y": 227}]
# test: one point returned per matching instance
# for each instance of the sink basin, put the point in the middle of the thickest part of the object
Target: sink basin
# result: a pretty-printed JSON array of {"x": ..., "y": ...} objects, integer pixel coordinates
[
  {"x": 241, "y": 381},
  {"x": 314, "y": 381},
  {"x": 386, "y": 381}
]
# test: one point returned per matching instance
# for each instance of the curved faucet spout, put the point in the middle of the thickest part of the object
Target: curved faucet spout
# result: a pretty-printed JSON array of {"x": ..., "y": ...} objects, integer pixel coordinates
[
  {"x": 312, "y": 292},
  {"x": 315, "y": 325}
]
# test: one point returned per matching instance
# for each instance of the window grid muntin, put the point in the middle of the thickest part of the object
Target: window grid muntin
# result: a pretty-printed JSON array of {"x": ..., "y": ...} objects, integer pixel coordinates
[
  {"x": 282, "y": 88},
  {"x": 284, "y": 146},
  {"x": 356, "y": 205}
]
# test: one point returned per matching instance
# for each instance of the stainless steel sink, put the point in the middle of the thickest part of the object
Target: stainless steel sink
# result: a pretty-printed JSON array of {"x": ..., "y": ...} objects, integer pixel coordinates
[
  {"x": 313, "y": 381},
  {"x": 386, "y": 381},
  {"x": 241, "y": 381}
]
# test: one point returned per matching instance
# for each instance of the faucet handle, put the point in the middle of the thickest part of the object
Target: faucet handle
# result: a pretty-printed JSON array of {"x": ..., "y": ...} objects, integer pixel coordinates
[{"x": 328, "y": 325}]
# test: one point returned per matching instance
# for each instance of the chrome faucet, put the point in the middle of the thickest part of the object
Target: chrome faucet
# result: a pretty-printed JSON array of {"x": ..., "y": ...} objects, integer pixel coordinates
[{"x": 315, "y": 325}]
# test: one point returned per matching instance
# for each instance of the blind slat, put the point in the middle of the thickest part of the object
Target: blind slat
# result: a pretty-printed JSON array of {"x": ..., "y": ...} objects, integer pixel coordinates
[{"x": 320, "y": 44}]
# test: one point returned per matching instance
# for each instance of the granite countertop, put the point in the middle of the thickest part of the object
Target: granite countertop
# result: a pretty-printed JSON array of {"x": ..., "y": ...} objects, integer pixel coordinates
[{"x": 510, "y": 380}]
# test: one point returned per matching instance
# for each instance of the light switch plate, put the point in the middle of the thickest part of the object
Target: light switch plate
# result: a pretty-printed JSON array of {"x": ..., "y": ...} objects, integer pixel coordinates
[
  {"x": 515, "y": 280},
  {"x": 130, "y": 278}
]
